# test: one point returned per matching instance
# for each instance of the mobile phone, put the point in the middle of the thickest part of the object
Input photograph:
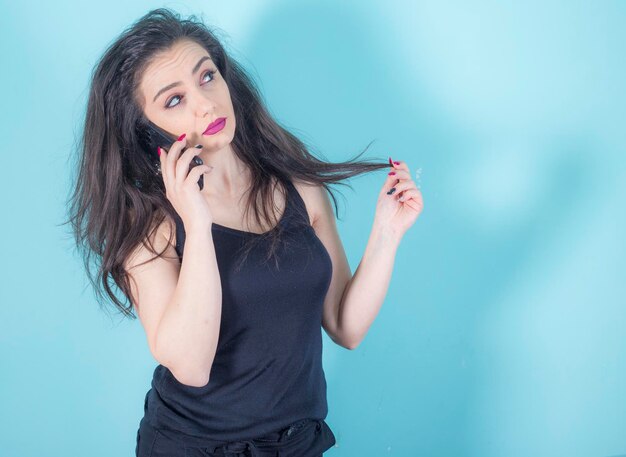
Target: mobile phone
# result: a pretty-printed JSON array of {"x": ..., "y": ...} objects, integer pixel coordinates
[{"x": 151, "y": 136}]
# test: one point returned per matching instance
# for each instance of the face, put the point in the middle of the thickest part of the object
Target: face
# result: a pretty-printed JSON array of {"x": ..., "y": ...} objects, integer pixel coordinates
[{"x": 183, "y": 92}]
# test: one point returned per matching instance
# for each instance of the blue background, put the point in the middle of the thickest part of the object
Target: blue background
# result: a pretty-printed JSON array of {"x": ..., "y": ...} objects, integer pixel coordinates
[{"x": 504, "y": 329}]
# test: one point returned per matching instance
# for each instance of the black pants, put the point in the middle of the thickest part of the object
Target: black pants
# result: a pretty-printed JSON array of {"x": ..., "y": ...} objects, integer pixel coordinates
[{"x": 307, "y": 438}]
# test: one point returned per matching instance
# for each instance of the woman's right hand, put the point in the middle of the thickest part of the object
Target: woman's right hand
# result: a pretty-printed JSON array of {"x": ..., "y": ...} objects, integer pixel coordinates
[{"x": 181, "y": 185}]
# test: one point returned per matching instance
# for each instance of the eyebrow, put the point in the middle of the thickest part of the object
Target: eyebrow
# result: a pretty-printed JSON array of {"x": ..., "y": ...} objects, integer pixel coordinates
[{"x": 169, "y": 86}]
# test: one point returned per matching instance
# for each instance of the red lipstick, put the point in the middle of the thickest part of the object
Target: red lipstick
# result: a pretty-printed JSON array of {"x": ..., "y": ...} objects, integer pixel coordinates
[{"x": 215, "y": 126}]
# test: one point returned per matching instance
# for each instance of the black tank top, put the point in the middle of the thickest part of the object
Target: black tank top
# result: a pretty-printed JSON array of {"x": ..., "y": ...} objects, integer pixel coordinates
[{"x": 267, "y": 372}]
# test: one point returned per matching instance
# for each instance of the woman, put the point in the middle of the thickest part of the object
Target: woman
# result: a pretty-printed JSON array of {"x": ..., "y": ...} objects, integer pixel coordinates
[{"x": 238, "y": 340}]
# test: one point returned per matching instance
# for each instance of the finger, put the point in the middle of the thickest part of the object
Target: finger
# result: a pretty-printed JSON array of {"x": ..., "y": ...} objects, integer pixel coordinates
[
  {"x": 162, "y": 155},
  {"x": 393, "y": 180},
  {"x": 400, "y": 165},
  {"x": 413, "y": 199},
  {"x": 409, "y": 194},
  {"x": 173, "y": 154},
  {"x": 401, "y": 187},
  {"x": 182, "y": 166},
  {"x": 195, "y": 173},
  {"x": 414, "y": 205},
  {"x": 399, "y": 174}
]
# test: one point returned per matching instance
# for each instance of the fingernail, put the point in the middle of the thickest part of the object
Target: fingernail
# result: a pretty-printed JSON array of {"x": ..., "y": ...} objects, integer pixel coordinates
[
  {"x": 391, "y": 173},
  {"x": 393, "y": 189},
  {"x": 390, "y": 162},
  {"x": 180, "y": 138},
  {"x": 397, "y": 163},
  {"x": 159, "y": 150}
]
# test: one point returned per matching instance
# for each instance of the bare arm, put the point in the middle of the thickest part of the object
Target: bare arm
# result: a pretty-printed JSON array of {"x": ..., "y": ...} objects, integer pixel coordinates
[
  {"x": 353, "y": 301},
  {"x": 180, "y": 306},
  {"x": 189, "y": 329},
  {"x": 366, "y": 291}
]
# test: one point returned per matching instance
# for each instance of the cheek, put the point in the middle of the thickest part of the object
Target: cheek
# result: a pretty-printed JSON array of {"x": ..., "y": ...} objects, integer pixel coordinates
[
  {"x": 228, "y": 106},
  {"x": 232, "y": 123},
  {"x": 225, "y": 96},
  {"x": 225, "y": 101}
]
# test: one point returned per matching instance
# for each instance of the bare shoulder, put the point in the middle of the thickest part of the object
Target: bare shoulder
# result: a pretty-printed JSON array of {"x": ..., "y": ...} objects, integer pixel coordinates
[
  {"x": 165, "y": 230},
  {"x": 153, "y": 276}
]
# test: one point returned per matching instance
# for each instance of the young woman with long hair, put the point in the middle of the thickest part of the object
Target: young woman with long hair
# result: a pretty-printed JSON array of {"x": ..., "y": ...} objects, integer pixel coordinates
[{"x": 238, "y": 338}]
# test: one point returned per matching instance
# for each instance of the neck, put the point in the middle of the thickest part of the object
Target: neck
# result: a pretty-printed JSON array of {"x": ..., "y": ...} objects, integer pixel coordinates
[{"x": 229, "y": 178}]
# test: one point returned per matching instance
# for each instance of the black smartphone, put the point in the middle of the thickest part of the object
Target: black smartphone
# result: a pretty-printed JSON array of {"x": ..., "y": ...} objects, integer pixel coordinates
[{"x": 151, "y": 136}]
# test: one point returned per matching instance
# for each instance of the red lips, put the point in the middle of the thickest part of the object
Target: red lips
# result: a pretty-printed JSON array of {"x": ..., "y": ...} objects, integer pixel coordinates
[{"x": 213, "y": 126}]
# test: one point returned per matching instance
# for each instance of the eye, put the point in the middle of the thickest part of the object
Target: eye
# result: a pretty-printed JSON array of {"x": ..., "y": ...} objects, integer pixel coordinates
[{"x": 167, "y": 104}]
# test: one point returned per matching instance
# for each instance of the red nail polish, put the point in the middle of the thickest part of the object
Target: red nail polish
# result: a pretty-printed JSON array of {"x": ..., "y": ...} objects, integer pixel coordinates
[
  {"x": 159, "y": 150},
  {"x": 180, "y": 138},
  {"x": 397, "y": 163},
  {"x": 390, "y": 162},
  {"x": 391, "y": 173}
]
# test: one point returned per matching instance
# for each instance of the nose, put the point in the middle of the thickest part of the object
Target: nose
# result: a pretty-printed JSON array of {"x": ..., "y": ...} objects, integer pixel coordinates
[{"x": 203, "y": 103}]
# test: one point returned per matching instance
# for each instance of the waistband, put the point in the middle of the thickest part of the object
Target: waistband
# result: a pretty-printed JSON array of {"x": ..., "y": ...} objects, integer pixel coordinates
[{"x": 281, "y": 439}]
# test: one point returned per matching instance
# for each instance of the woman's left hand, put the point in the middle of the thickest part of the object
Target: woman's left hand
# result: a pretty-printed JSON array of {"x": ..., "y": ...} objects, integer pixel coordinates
[{"x": 399, "y": 210}]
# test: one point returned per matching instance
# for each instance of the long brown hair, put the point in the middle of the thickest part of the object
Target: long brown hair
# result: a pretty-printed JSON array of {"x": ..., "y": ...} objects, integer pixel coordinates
[{"x": 110, "y": 213}]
